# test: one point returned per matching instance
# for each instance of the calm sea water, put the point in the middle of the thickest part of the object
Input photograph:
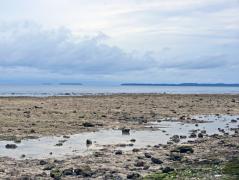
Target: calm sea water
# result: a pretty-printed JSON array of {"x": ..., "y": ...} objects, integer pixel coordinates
[{"x": 73, "y": 90}]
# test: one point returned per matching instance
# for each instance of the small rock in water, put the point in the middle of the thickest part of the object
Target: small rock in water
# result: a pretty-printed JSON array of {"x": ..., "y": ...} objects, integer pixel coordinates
[
  {"x": 59, "y": 144},
  {"x": 125, "y": 131},
  {"x": 11, "y": 146},
  {"x": 183, "y": 137},
  {"x": 66, "y": 137},
  {"x": 156, "y": 160},
  {"x": 200, "y": 135},
  {"x": 175, "y": 138},
  {"x": 193, "y": 135},
  {"x": 233, "y": 120},
  {"x": 133, "y": 140},
  {"x": 88, "y": 142}
]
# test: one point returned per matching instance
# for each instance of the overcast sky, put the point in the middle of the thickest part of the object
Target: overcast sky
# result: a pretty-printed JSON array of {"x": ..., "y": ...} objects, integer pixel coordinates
[{"x": 155, "y": 41}]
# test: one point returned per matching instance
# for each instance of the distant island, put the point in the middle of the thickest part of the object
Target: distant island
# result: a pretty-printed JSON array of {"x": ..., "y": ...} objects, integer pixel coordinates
[
  {"x": 182, "y": 84},
  {"x": 71, "y": 84}
]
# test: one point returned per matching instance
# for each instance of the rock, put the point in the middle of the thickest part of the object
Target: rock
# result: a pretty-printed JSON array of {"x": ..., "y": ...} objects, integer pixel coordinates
[
  {"x": 49, "y": 167},
  {"x": 156, "y": 160},
  {"x": 112, "y": 177},
  {"x": 11, "y": 146},
  {"x": 118, "y": 152},
  {"x": 139, "y": 163},
  {"x": 133, "y": 140},
  {"x": 59, "y": 144},
  {"x": 183, "y": 137},
  {"x": 88, "y": 142},
  {"x": 68, "y": 172},
  {"x": 125, "y": 131},
  {"x": 175, "y": 139},
  {"x": 234, "y": 121},
  {"x": 56, "y": 174},
  {"x": 175, "y": 157},
  {"x": 193, "y": 135},
  {"x": 23, "y": 156},
  {"x": 43, "y": 162},
  {"x": 32, "y": 131},
  {"x": 84, "y": 171},
  {"x": 184, "y": 149},
  {"x": 167, "y": 169},
  {"x": 133, "y": 176},
  {"x": 147, "y": 155},
  {"x": 17, "y": 141},
  {"x": 135, "y": 150},
  {"x": 88, "y": 124},
  {"x": 66, "y": 137},
  {"x": 200, "y": 135}
]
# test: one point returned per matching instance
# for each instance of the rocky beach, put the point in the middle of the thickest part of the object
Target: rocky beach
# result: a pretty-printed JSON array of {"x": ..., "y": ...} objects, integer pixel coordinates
[{"x": 120, "y": 136}]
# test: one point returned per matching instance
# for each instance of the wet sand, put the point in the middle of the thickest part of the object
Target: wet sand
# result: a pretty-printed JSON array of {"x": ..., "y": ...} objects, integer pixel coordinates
[{"x": 27, "y": 117}]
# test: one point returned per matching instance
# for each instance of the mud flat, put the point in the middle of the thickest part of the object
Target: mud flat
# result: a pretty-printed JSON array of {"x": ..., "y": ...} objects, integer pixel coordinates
[{"x": 137, "y": 136}]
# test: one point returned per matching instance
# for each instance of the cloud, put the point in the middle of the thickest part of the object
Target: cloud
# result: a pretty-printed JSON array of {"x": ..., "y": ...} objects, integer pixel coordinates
[
  {"x": 58, "y": 51},
  {"x": 31, "y": 51},
  {"x": 203, "y": 62}
]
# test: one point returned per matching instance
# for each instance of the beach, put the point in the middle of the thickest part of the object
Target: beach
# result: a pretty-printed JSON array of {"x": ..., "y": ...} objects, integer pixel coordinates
[{"x": 26, "y": 118}]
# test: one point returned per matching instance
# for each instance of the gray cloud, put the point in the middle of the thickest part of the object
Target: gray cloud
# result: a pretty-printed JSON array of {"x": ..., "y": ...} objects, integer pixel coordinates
[
  {"x": 27, "y": 50},
  {"x": 29, "y": 45},
  {"x": 203, "y": 62}
]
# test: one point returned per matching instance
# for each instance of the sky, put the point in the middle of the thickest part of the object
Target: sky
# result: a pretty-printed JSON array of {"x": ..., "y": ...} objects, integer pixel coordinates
[{"x": 109, "y": 41}]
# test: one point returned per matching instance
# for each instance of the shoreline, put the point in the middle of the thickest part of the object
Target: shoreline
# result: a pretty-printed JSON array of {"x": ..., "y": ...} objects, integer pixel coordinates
[{"x": 22, "y": 117}]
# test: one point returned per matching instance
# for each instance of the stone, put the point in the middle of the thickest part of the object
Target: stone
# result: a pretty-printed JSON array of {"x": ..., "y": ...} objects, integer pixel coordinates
[
  {"x": 184, "y": 149},
  {"x": 193, "y": 135},
  {"x": 156, "y": 160},
  {"x": 49, "y": 167},
  {"x": 125, "y": 131},
  {"x": 139, "y": 163},
  {"x": 56, "y": 174},
  {"x": 88, "y": 142},
  {"x": 133, "y": 175},
  {"x": 147, "y": 155},
  {"x": 88, "y": 124},
  {"x": 167, "y": 169},
  {"x": 84, "y": 171},
  {"x": 175, "y": 157},
  {"x": 43, "y": 162},
  {"x": 183, "y": 137},
  {"x": 67, "y": 172},
  {"x": 118, "y": 152},
  {"x": 200, "y": 135},
  {"x": 11, "y": 146},
  {"x": 135, "y": 150}
]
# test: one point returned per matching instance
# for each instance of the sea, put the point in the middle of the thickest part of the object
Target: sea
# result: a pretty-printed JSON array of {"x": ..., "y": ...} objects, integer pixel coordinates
[{"x": 84, "y": 90}]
